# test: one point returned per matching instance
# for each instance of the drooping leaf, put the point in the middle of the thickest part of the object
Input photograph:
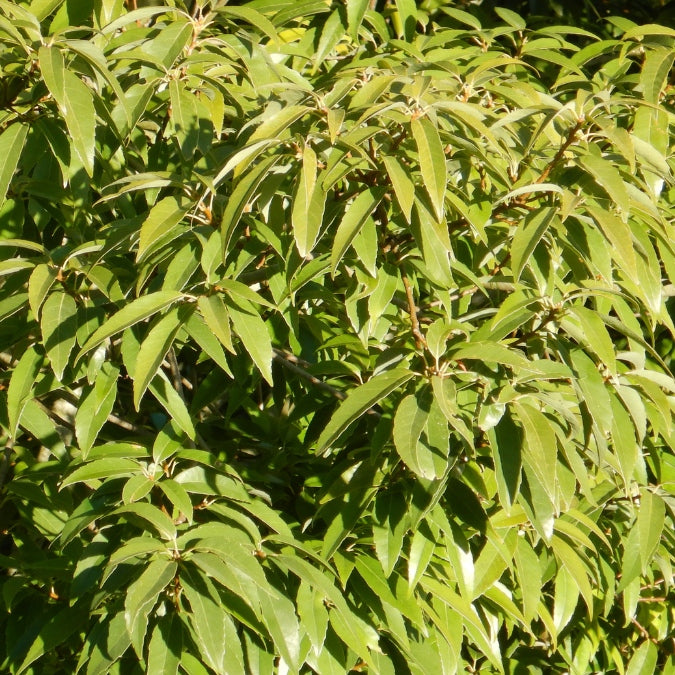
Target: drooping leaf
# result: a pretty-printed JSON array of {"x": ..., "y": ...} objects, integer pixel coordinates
[
  {"x": 11, "y": 144},
  {"x": 142, "y": 595},
  {"x": 75, "y": 101},
  {"x": 21, "y": 385},
  {"x": 95, "y": 406},
  {"x": 252, "y": 331},
  {"x": 358, "y": 401},
  {"x": 59, "y": 325},
  {"x": 137, "y": 310},
  {"x": 432, "y": 162},
  {"x": 154, "y": 348}
]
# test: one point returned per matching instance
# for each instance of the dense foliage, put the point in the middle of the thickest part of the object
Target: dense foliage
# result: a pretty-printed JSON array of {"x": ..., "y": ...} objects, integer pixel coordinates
[{"x": 334, "y": 340}]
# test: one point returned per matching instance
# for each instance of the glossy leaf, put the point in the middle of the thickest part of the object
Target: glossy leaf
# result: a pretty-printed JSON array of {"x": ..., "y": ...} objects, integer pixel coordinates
[
  {"x": 358, "y": 402},
  {"x": 75, "y": 101}
]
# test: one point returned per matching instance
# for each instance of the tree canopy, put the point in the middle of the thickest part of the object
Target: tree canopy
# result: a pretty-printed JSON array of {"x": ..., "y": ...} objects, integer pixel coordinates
[{"x": 336, "y": 338}]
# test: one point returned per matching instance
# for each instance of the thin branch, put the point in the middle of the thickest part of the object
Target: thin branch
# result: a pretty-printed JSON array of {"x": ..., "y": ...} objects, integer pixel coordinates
[
  {"x": 174, "y": 368},
  {"x": 290, "y": 361},
  {"x": 561, "y": 151},
  {"x": 420, "y": 341}
]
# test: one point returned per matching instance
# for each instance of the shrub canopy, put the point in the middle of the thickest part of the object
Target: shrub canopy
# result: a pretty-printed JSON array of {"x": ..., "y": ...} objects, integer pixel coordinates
[{"x": 334, "y": 340}]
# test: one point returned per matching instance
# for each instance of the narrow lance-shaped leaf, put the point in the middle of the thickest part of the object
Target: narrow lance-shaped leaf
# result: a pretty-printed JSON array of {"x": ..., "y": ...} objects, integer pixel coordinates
[
  {"x": 95, "y": 407},
  {"x": 59, "y": 327},
  {"x": 409, "y": 421},
  {"x": 254, "y": 336},
  {"x": 166, "y": 645},
  {"x": 142, "y": 595},
  {"x": 540, "y": 450},
  {"x": 209, "y": 620},
  {"x": 136, "y": 311},
  {"x": 432, "y": 162},
  {"x": 359, "y": 401},
  {"x": 404, "y": 188},
  {"x": 106, "y": 467},
  {"x": 160, "y": 226},
  {"x": 351, "y": 223},
  {"x": 154, "y": 348},
  {"x": 355, "y": 12},
  {"x": 217, "y": 318},
  {"x": 75, "y": 101},
  {"x": 240, "y": 196},
  {"x": 21, "y": 386},
  {"x": 650, "y": 524},
  {"x": 308, "y": 205},
  {"x": 11, "y": 145},
  {"x": 177, "y": 495},
  {"x": 41, "y": 280}
]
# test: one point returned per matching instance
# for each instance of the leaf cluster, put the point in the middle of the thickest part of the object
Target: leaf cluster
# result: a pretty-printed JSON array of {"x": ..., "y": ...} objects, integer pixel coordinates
[{"x": 334, "y": 340}]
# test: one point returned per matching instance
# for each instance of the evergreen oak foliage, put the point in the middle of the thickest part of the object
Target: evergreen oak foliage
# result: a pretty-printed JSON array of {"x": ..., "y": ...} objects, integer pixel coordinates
[{"x": 335, "y": 337}]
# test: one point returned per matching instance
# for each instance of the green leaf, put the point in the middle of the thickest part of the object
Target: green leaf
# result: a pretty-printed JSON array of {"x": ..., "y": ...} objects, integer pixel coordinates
[
  {"x": 177, "y": 495},
  {"x": 540, "y": 449},
  {"x": 592, "y": 332},
  {"x": 59, "y": 326},
  {"x": 352, "y": 221},
  {"x": 528, "y": 571},
  {"x": 644, "y": 659},
  {"x": 160, "y": 226},
  {"x": 273, "y": 125},
  {"x": 214, "y": 628},
  {"x": 150, "y": 514},
  {"x": 217, "y": 318},
  {"x": 618, "y": 234},
  {"x": 356, "y": 9},
  {"x": 142, "y": 595},
  {"x": 313, "y": 614},
  {"x": 240, "y": 197},
  {"x": 237, "y": 288},
  {"x": 407, "y": 13},
  {"x": 135, "y": 547},
  {"x": 11, "y": 144},
  {"x": 411, "y": 417},
  {"x": 506, "y": 441},
  {"x": 155, "y": 347},
  {"x": 95, "y": 406},
  {"x": 656, "y": 69},
  {"x": 136, "y": 311},
  {"x": 404, "y": 188},
  {"x": 650, "y": 523},
  {"x": 608, "y": 178},
  {"x": 282, "y": 624},
  {"x": 254, "y": 335},
  {"x": 41, "y": 280},
  {"x": 421, "y": 552},
  {"x": 54, "y": 632},
  {"x": 172, "y": 402},
  {"x": 308, "y": 206},
  {"x": 528, "y": 235},
  {"x": 21, "y": 387},
  {"x": 106, "y": 467},
  {"x": 389, "y": 528},
  {"x": 207, "y": 339},
  {"x": 358, "y": 402},
  {"x": 75, "y": 101},
  {"x": 185, "y": 117},
  {"x": 166, "y": 646},
  {"x": 432, "y": 162}
]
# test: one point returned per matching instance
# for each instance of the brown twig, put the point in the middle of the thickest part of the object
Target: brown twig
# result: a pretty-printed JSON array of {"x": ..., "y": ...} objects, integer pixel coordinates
[
  {"x": 420, "y": 341},
  {"x": 290, "y": 361},
  {"x": 561, "y": 151}
]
